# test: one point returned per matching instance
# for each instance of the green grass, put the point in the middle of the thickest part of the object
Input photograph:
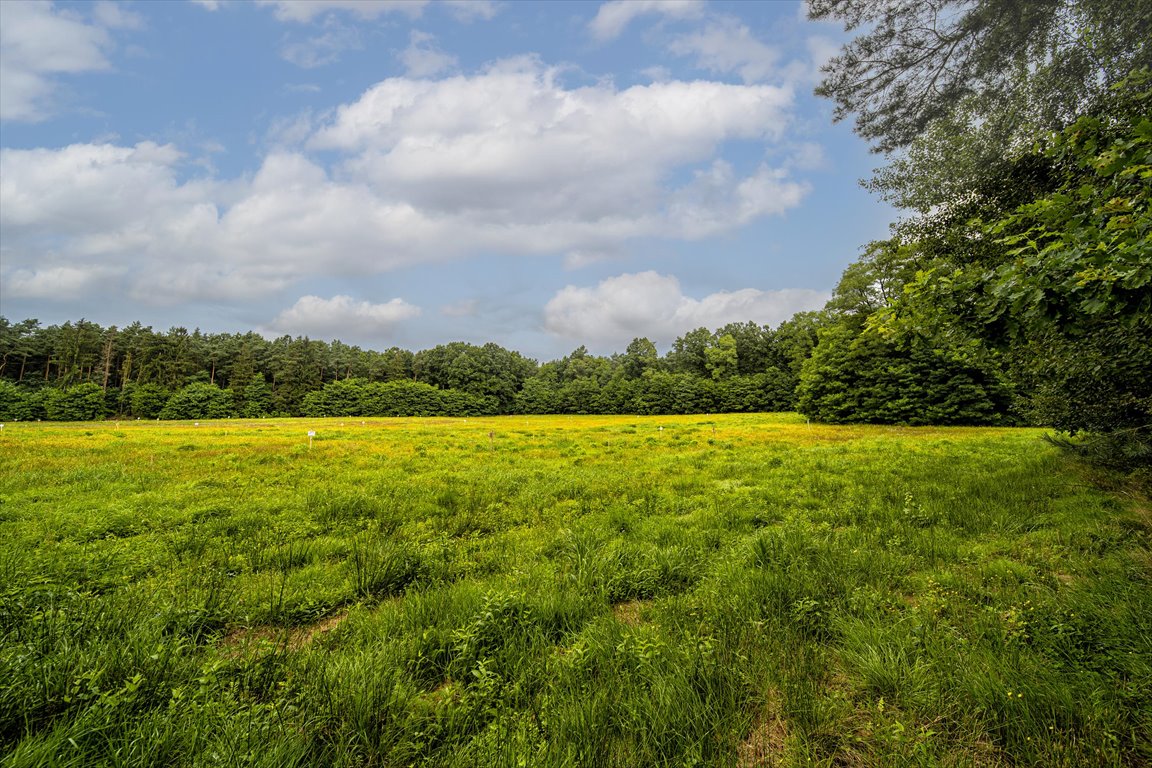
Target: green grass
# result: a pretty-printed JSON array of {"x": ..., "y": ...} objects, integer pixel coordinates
[{"x": 566, "y": 591}]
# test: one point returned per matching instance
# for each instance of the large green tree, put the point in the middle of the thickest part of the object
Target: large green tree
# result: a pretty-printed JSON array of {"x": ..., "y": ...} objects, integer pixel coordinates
[{"x": 1066, "y": 288}]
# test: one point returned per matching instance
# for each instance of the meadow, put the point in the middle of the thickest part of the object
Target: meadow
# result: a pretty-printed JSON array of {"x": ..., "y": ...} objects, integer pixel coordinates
[{"x": 746, "y": 590}]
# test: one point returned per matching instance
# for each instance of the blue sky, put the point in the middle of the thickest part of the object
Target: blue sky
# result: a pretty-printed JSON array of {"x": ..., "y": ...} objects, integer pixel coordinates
[{"x": 541, "y": 175}]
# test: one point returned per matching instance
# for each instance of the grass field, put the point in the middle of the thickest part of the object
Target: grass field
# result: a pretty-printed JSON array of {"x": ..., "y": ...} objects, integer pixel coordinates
[{"x": 566, "y": 591}]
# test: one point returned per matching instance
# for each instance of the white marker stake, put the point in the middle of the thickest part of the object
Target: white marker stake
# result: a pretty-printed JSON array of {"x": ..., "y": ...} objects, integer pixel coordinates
[{"x": 311, "y": 434}]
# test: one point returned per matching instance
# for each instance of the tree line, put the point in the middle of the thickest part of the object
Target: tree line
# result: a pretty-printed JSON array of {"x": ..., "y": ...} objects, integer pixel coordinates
[{"x": 81, "y": 371}]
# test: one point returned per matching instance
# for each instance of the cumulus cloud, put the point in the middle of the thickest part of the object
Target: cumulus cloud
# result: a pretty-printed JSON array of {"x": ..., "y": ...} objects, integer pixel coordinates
[
  {"x": 316, "y": 316},
  {"x": 717, "y": 201},
  {"x": 508, "y": 161},
  {"x": 303, "y": 11},
  {"x": 725, "y": 45},
  {"x": 613, "y": 17},
  {"x": 38, "y": 42},
  {"x": 513, "y": 146},
  {"x": 55, "y": 283},
  {"x": 422, "y": 58},
  {"x": 84, "y": 189},
  {"x": 649, "y": 304}
]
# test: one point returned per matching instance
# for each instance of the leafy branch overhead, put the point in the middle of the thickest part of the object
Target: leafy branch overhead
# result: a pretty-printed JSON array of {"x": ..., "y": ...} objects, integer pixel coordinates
[{"x": 1024, "y": 66}]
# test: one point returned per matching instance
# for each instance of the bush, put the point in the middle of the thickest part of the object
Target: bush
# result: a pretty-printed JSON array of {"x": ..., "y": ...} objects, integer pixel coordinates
[
  {"x": 199, "y": 401},
  {"x": 84, "y": 402},
  {"x": 867, "y": 378},
  {"x": 147, "y": 400}
]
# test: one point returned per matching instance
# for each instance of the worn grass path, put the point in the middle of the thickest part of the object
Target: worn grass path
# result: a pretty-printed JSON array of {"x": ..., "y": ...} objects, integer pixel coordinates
[{"x": 696, "y": 590}]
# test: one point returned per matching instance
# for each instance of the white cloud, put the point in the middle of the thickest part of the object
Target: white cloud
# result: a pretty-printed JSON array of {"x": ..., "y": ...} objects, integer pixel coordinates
[
  {"x": 507, "y": 161},
  {"x": 612, "y": 17},
  {"x": 315, "y": 316},
  {"x": 85, "y": 188},
  {"x": 725, "y": 45},
  {"x": 422, "y": 58},
  {"x": 55, "y": 283},
  {"x": 717, "y": 200},
  {"x": 649, "y": 304},
  {"x": 511, "y": 146},
  {"x": 578, "y": 259},
  {"x": 208, "y": 5},
  {"x": 807, "y": 156},
  {"x": 37, "y": 41},
  {"x": 303, "y": 11}
]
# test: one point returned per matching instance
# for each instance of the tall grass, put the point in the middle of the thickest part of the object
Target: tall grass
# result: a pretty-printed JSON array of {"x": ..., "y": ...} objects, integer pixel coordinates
[{"x": 737, "y": 590}]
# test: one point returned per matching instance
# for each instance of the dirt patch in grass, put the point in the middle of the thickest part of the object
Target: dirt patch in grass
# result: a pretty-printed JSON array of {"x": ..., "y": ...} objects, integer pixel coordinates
[
  {"x": 308, "y": 634},
  {"x": 290, "y": 639},
  {"x": 629, "y": 612},
  {"x": 763, "y": 747}
]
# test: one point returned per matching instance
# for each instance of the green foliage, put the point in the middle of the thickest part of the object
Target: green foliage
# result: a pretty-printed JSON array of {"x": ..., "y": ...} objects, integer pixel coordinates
[
  {"x": 689, "y": 353},
  {"x": 640, "y": 356},
  {"x": 83, "y": 402},
  {"x": 722, "y": 360},
  {"x": 865, "y": 377},
  {"x": 739, "y": 367},
  {"x": 1068, "y": 292},
  {"x": 489, "y": 371},
  {"x": 199, "y": 401},
  {"x": 147, "y": 400},
  {"x": 1021, "y": 66},
  {"x": 15, "y": 404},
  {"x": 356, "y": 397},
  {"x": 256, "y": 399},
  {"x": 539, "y": 395}
]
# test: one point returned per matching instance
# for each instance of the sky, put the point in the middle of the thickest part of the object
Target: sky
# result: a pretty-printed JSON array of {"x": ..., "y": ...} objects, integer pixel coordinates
[{"x": 414, "y": 172}]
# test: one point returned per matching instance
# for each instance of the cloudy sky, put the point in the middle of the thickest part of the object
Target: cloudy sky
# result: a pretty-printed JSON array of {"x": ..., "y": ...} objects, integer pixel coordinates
[{"x": 413, "y": 172}]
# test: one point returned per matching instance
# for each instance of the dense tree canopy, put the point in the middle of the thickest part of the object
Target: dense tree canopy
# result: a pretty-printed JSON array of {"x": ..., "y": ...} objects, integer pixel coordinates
[{"x": 82, "y": 371}]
